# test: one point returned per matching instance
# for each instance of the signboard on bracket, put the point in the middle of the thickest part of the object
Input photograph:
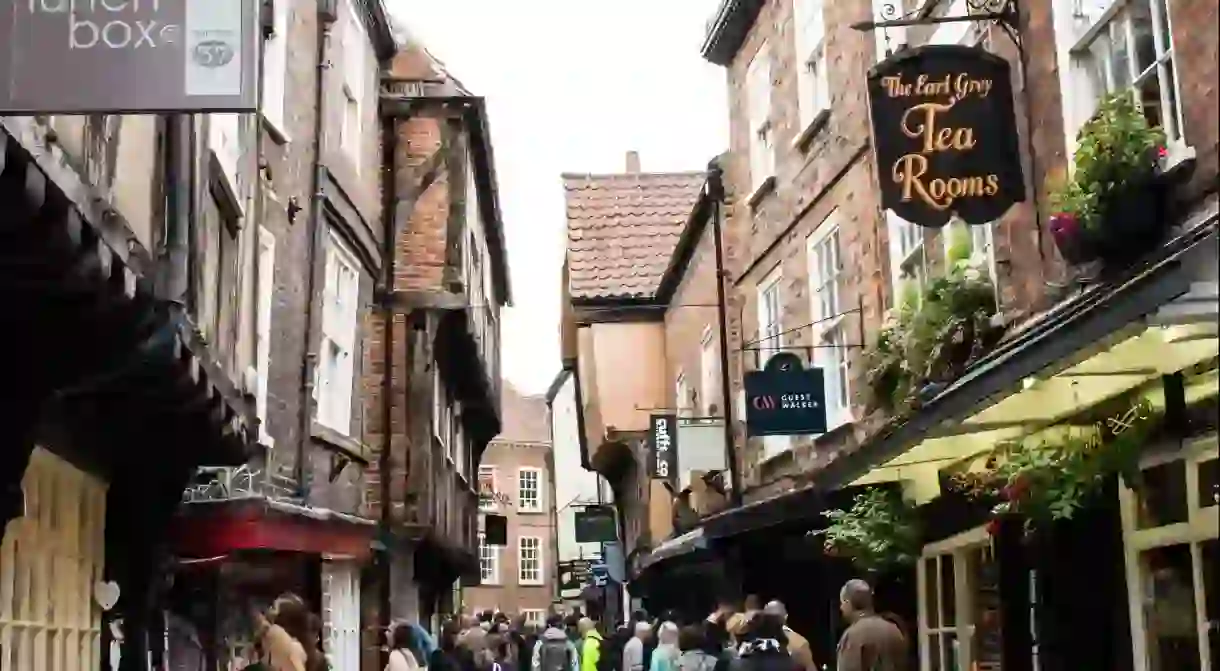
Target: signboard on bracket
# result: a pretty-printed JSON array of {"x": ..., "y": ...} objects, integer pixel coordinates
[
  {"x": 128, "y": 56},
  {"x": 945, "y": 135},
  {"x": 785, "y": 398}
]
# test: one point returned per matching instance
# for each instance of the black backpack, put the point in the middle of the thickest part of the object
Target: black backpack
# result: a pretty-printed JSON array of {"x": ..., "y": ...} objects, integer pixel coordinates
[{"x": 555, "y": 655}]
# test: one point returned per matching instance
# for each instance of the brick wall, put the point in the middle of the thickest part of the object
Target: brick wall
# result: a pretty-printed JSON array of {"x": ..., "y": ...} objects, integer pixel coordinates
[
  {"x": 508, "y": 595},
  {"x": 836, "y": 171}
]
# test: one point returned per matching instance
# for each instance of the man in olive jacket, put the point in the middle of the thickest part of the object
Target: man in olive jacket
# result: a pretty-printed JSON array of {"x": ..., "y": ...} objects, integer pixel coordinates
[{"x": 871, "y": 643}]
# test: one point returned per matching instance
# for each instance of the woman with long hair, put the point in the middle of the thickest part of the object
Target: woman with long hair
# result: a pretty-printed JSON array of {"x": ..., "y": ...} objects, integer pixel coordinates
[
  {"x": 291, "y": 613},
  {"x": 402, "y": 649}
]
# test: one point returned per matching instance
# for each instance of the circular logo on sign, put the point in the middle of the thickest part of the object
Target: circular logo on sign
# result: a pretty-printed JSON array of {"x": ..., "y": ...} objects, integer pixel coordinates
[{"x": 213, "y": 54}]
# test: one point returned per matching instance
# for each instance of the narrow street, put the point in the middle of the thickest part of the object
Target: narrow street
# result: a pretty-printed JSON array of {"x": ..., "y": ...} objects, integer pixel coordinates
[{"x": 697, "y": 335}]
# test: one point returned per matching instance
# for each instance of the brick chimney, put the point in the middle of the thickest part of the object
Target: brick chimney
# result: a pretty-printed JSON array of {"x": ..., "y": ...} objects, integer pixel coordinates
[{"x": 633, "y": 162}]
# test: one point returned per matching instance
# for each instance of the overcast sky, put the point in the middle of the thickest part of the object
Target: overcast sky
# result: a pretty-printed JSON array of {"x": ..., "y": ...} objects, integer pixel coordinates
[{"x": 571, "y": 86}]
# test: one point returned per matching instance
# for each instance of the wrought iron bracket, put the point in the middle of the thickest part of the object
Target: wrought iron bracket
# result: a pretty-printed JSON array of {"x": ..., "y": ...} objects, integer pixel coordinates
[{"x": 1004, "y": 13}]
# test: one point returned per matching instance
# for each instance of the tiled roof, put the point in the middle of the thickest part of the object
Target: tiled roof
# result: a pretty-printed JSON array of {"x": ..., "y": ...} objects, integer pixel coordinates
[
  {"x": 524, "y": 417},
  {"x": 622, "y": 230}
]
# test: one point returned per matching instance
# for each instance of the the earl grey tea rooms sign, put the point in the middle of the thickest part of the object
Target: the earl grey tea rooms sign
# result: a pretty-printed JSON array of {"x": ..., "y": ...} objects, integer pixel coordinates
[
  {"x": 945, "y": 135},
  {"x": 116, "y": 56}
]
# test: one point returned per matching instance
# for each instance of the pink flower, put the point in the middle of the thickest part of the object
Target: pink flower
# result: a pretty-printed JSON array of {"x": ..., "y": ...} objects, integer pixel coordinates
[
  {"x": 1064, "y": 225},
  {"x": 1162, "y": 152}
]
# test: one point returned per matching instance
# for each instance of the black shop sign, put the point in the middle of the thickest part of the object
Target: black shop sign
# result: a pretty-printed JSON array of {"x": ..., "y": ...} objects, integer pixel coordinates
[
  {"x": 785, "y": 398},
  {"x": 945, "y": 135},
  {"x": 663, "y": 447}
]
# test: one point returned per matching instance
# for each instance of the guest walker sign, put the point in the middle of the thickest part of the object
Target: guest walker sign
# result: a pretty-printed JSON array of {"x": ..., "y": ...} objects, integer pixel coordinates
[
  {"x": 114, "y": 56},
  {"x": 945, "y": 135}
]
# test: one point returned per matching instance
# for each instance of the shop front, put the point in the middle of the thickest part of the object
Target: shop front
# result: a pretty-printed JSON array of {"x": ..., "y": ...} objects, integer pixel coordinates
[{"x": 1066, "y": 485}]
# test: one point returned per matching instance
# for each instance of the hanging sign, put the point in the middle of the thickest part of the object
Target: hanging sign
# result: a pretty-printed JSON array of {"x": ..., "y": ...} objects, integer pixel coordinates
[
  {"x": 128, "y": 56},
  {"x": 596, "y": 524},
  {"x": 945, "y": 135},
  {"x": 663, "y": 447},
  {"x": 785, "y": 398}
]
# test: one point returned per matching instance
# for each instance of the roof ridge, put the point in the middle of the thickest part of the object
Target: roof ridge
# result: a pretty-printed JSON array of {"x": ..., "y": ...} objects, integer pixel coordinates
[{"x": 682, "y": 173}]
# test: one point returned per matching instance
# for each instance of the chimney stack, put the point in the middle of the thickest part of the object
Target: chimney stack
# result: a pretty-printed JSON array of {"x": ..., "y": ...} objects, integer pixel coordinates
[{"x": 633, "y": 162}]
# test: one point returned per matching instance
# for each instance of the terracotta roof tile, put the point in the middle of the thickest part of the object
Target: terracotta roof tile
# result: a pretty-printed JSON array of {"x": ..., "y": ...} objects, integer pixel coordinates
[
  {"x": 622, "y": 230},
  {"x": 524, "y": 417}
]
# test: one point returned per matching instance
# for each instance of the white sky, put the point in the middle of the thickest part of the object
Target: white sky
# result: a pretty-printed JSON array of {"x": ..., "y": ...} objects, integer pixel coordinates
[{"x": 571, "y": 86}]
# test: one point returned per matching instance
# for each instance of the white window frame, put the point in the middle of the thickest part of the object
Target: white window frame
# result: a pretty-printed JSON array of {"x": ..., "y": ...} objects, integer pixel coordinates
[
  {"x": 538, "y": 504},
  {"x": 266, "y": 302},
  {"x": 709, "y": 372},
  {"x": 341, "y": 614},
  {"x": 355, "y": 58},
  {"x": 812, "y": 65},
  {"x": 1084, "y": 87},
  {"x": 225, "y": 139},
  {"x": 827, "y": 285},
  {"x": 682, "y": 407},
  {"x": 770, "y": 342},
  {"x": 908, "y": 254},
  {"x": 1203, "y": 524},
  {"x": 982, "y": 241},
  {"x": 337, "y": 350},
  {"x": 762, "y": 131},
  {"x": 50, "y": 560},
  {"x": 275, "y": 69},
  {"x": 522, "y": 577},
  {"x": 960, "y": 547},
  {"x": 489, "y": 504},
  {"x": 533, "y": 616},
  {"x": 489, "y": 554}
]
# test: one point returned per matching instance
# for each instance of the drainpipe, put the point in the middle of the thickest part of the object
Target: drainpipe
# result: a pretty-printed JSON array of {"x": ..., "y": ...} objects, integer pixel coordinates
[
  {"x": 715, "y": 191},
  {"x": 316, "y": 229},
  {"x": 173, "y": 270},
  {"x": 389, "y": 144}
]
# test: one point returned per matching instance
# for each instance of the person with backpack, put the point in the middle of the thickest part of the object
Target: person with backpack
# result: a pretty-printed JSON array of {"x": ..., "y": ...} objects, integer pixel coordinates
[{"x": 553, "y": 651}]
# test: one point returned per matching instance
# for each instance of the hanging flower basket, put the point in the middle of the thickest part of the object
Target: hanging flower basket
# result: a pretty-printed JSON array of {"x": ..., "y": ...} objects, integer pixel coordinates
[
  {"x": 1053, "y": 480},
  {"x": 1113, "y": 206},
  {"x": 880, "y": 532}
]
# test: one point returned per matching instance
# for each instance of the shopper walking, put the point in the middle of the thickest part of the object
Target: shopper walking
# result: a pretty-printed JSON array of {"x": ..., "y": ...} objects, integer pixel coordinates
[
  {"x": 665, "y": 657},
  {"x": 553, "y": 651},
  {"x": 591, "y": 644},
  {"x": 798, "y": 646},
  {"x": 871, "y": 642},
  {"x": 764, "y": 646}
]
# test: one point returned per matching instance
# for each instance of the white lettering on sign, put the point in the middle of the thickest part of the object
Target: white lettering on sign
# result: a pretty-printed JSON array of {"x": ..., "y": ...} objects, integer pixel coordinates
[
  {"x": 798, "y": 402},
  {"x": 662, "y": 443},
  {"x": 110, "y": 24}
]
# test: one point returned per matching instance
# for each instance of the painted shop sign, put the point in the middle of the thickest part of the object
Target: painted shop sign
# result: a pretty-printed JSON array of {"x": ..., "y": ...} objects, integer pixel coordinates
[
  {"x": 945, "y": 135},
  {"x": 129, "y": 56},
  {"x": 785, "y": 398},
  {"x": 663, "y": 447}
]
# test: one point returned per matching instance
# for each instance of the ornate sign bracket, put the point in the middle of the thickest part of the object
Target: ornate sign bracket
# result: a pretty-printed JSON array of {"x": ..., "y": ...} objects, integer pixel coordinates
[{"x": 1004, "y": 13}]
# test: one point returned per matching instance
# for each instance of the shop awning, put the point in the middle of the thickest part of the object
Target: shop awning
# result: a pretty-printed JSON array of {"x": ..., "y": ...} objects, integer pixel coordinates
[
  {"x": 1107, "y": 341},
  {"x": 212, "y": 529},
  {"x": 677, "y": 546}
]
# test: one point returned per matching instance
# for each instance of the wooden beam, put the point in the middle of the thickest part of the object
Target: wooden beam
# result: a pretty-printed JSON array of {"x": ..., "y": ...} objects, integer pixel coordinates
[
  {"x": 409, "y": 301},
  {"x": 422, "y": 177},
  {"x": 456, "y": 159}
]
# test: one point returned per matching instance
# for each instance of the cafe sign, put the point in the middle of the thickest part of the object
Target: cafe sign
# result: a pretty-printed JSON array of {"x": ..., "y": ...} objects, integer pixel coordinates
[
  {"x": 785, "y": 398},
  {"x": 945, "y": 135}
]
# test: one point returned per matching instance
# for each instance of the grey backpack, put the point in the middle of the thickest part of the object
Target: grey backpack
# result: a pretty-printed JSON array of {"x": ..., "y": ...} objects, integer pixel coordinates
[{"x": 555, "y": 655}]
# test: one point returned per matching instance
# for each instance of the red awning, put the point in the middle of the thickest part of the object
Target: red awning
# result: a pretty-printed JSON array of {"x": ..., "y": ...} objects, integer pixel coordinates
[{"x": 222, "y": 528}]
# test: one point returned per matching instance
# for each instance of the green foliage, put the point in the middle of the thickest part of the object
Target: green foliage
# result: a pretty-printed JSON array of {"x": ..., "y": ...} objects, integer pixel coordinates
[
  {"x": 1053, "y": 480},
  {"x": 878, "y": 533},
  {"x": 934, "y": 340},
  {"x": 1115, "y": 147}
]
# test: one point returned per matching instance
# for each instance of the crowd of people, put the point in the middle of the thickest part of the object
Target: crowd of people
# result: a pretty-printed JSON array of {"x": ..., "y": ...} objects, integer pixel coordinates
[{"x": 751, "y": 637}]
